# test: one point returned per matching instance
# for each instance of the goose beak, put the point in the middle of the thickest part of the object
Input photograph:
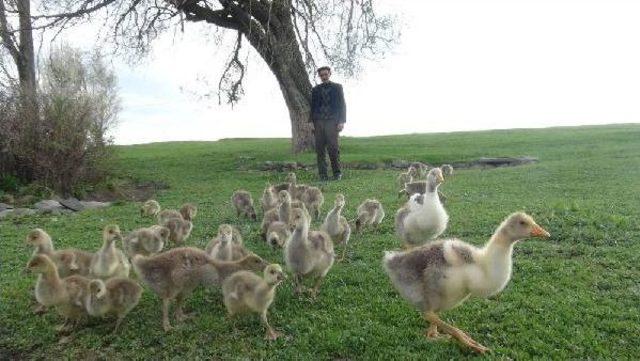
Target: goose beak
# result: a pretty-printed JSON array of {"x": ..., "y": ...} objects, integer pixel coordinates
[
  {"x": 539, "y": 232},
  {"x": 440, "y": 178}
]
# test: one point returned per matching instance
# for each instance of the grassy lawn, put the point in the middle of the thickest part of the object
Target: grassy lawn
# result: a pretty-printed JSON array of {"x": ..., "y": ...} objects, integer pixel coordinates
[{"x": 575, "y": 296}]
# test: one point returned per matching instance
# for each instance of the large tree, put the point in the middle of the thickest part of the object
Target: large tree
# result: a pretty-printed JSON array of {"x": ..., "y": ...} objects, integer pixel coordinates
[
  {"x": 18, "y": 43},
  {"x": 291, "y": 36}
]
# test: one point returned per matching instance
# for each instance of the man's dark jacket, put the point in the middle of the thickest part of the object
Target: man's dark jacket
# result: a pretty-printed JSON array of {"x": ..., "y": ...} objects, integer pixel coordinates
[{"x": 327, "y": 103}]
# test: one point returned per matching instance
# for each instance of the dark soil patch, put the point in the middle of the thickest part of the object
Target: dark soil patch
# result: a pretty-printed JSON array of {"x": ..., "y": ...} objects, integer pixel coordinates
[{"x": 136, "y": 192}]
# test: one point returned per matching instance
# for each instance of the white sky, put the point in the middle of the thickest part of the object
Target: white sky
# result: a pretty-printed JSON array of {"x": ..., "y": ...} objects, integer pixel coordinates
[{"x": 460, "y": 65}]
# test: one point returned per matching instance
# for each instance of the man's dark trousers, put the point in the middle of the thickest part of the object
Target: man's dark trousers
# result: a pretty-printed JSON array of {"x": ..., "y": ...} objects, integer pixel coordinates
[{"x": 326, "y": 134}]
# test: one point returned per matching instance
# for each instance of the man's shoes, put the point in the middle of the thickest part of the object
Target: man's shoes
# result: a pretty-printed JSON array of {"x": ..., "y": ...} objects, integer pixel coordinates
[{"x": 337, "y": 177}]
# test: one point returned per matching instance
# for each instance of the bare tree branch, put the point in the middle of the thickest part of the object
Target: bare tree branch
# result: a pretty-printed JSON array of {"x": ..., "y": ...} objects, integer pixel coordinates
[{"x": 231, "y": 80}]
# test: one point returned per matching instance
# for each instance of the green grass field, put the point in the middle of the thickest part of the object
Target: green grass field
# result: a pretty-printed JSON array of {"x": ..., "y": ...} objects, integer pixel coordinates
[{"x": 574, "y": 296}]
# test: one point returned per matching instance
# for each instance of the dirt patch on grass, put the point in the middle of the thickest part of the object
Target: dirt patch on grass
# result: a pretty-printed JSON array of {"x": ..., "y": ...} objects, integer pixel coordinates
[{"x": 128, "y": 191}]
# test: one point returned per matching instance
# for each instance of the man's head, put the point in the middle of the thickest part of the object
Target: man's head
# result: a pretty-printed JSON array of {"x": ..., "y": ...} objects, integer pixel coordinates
[{"x": 324, "y": 73}]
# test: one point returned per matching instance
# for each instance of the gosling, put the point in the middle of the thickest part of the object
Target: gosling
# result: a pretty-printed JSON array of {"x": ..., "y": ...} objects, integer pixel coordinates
[
  {"x": 68, "y": 261},
  {"x": 246, "y": 292},
  {"x": 65, "y": 295},
  {"x": 370, "y": 212},
  {"x": 223, "y": 248},
  {"x": 336, "y": 225},
  {"x": 145, "y": 241},
  {"x": 179, "y": 230},
  {"x": 243, "y": 204},
  {"x": 308, "y": 254},
  {"x": 175, "y": 274},
  {"x": 116, "y": 296},
  {"x": 150, "y": 208},
  {"x": 277, "y": 234},
  {"x": 188, "y": 212},
  {"x": 408, "y": 176},
  {"x": 109, "y": 261}
]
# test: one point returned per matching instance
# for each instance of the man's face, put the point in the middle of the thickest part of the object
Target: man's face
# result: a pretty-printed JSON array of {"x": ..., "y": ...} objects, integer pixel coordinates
[{"x": 324, "y": 75}]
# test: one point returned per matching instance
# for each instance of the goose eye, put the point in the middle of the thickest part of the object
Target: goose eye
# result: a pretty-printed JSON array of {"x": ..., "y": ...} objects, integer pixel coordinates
[{"x": 523, "y": 223}]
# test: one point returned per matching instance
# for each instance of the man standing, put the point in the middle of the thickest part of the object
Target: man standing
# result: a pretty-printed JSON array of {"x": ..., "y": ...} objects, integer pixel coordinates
[{"x": 328, "y": 114}]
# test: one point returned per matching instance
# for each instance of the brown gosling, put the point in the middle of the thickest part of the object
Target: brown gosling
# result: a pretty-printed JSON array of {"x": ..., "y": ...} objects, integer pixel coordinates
[
  {"x": 277, "y": 234},
  {"x": 66, "y": 295},
  {"x": 68, "y": 261},
  {"x": 440, "y": 275},
  {"x": 313, "y": 200},
  {"x": 246, "y": 292},
  {"x": 421, "y": 169},
  {"x": 243, "y": 204},
  {"x": 308, "y": 254},
  {"x": 109, "y": 261},
  {"x": 269, "y": 199},
  {"x": 188, "y": 212},
  {"x": 146, "y": 241},
  {"x": 115, "y": 296},
  {"x": 408, "y": 176},
  {"x": 336, "y": 225},
  {"x": 221, "y": 247},
  {"x": 447, "y": 169},
  {"x": 280, "y": 213},
  {"x": 174, "y": 274},
  {"x": 179, "y": 230},
  {"x": 370, "y": 212},
  {"x": 150, "y": 208}
]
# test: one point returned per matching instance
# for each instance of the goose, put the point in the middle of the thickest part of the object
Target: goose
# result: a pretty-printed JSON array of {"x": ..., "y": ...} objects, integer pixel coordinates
[
  {"x": 146, "y": 241},
  {"x": 307, "y": 254},
  {"x": 313, "y": 199},
  {"x": 370, "y": 212},
  {"x": 423, "y": 217},
  {"x": 174, "y": 274},
  {"x": 188, "y": 212},
  {"x": 116, "y": 296},
  {"x": 421, "y": 169},
  {"x": 66, "y": 295},
  {"x": 109, "y": 261},
  {"x": 442, "y": 274},
  {"x": 447, "y": 169},
  {"x": 243, "y": 203},
  {"x": 336, "y": 225},
  {"x": 408, "y": 176},
  {"x": 179, "y": 230},
  {"x": 277, "y": 234},
  {"x": 150, "y": 208},
  {"x": 269, "y": 199},
  {"x": 244, "y": 292},
  {"x": 68, "y": 261},
  {"x": 232, "y": 249}
]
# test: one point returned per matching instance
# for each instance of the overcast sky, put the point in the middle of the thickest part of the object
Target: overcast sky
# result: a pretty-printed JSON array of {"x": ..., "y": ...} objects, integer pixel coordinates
[{"x": 460, "y": 65}]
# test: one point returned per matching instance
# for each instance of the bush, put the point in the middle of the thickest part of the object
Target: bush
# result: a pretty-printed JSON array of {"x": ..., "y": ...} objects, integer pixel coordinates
[{"x": 63, "y": 142}]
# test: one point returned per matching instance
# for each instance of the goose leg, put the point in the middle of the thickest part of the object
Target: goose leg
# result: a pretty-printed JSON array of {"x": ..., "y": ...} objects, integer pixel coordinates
[
  {"x": 271, "y": 333},
  {"x": 179, "y": 312},
  {"x": 316, "y": 287},
  {"x": 299, "y": 286},
  {"x": 40, "y": 309},
  {"x": 166, "y": 325},
  {"x": 344, "y": 252},
  {"x": 458, "y": 334}
]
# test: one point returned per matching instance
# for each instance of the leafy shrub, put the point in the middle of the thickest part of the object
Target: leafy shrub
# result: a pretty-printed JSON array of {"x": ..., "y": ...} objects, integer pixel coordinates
[{"x": 63, "y": 142}]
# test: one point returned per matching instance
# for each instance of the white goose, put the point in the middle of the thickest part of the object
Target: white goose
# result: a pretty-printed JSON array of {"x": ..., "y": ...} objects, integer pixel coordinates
[
  {"x": 442, "y": 274},
  {"x": 423, "y": 217}
]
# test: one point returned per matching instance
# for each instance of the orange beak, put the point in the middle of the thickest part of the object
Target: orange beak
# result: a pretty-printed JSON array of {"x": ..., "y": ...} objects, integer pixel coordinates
[{"x": 539, "y": 232}]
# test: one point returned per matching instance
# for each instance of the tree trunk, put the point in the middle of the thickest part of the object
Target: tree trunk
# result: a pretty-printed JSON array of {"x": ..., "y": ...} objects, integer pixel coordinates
[
  {"x": 298, "y": 104},
  {"x": 26, "y": 59},
  {"x": 286, "y": 63}
]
